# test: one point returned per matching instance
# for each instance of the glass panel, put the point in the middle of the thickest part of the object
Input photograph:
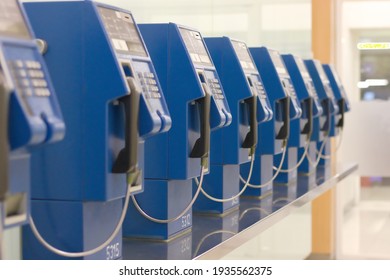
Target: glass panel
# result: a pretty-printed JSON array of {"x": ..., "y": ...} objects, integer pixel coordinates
[{"x": 284, "y": 25}]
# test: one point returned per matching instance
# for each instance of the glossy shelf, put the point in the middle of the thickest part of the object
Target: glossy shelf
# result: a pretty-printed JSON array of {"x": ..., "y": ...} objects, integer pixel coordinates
[{"x": 213, "y": 237}]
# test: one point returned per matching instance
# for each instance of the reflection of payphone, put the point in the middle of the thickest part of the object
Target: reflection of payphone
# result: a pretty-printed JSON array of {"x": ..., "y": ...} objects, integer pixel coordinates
[
  {"x": 111, "y": 100},
  {"x": 301, "y": 135},
  {"x": 340, "y": 95},
  {"x": 322, "y": 130},
  {"x": 235, "y": 144},
  {"x": 197, "y": 104},
  {"x": 29, "y": 113},
  {"x": 273, "y": 135}
]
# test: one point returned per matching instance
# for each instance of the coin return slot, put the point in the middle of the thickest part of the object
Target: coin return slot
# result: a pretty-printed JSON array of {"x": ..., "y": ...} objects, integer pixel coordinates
[{"x": 127, "y": 70}]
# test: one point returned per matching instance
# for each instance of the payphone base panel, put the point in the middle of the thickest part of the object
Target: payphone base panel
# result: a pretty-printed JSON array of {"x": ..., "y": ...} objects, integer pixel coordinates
[
  {"x": 262, "y": 173},
  {"x": 290, "y": 161},
  {"x": 17, "y": 201},
  {"x": 74, "y": 226},
  {"x": 161, "y": 199},
  {"x": 222, "y": 182}
]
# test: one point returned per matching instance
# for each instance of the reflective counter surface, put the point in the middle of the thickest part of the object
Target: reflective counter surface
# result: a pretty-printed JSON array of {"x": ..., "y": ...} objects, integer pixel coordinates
[{"x": 213, "y": 237}]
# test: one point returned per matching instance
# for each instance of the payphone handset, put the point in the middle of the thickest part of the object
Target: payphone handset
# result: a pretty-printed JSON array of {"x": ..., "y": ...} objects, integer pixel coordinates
[
  {"x": 236, "y": 144},
  {"x": 4, "y": 146},
  {"x": 339, "y": 92},
  {"x": 246, "y": 97},
  {"x": 253, "y": 80},
  {"x": 324, "y": 92},
  {"x": 30, "y": 115},
  {"x": 196, "y": 98},
  {"x": 146, "y": 112},
  {"x": 112, "y": 101},
  {"x": 124, "y": 97},
  {"x": 281, "y": 94},
  {"x": 306, "y": 93},
  {"x": 334, "y": 109},
  {"x": 308, "y": 82},
  {"x": 220, "y": 115}
]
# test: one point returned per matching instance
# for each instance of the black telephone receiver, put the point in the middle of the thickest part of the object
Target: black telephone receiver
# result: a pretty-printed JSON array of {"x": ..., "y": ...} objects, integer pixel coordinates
[
  {"x": 308, "y": 104},
  {"x": 326, "y": 105},
  {"x": 4, "y": 145},
  {"x": 202, "y": 145},
  {"x": 285, "y": 129},
  {"x": 127, "y": 160},
  {"x": 252, "y": 136},
  {"x": 341, "y": 104}
]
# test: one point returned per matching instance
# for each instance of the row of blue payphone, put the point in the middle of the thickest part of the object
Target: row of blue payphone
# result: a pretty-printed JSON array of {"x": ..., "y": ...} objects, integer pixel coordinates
[{"x": 239, "y": 121}]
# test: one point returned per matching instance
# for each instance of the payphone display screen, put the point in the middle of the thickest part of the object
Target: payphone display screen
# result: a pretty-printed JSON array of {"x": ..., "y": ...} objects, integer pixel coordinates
[
  {"x": 243, "y": 55},
  {"x": 277, "y": 60},
  {"x": 302, "y": 68},
  {"x": 195, "y": 46},
  {"x": 12, "y": 22},
  {"x": 122, "y": 31}
]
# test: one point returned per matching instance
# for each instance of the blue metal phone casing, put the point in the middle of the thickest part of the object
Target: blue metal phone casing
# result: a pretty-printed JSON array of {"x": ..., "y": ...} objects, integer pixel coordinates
[
  {"x": 90, "y": 68},
  {"x": 32, "y": 113},
  {"x": 185, "y": 70},
  {"x": 241, "y": 82}
]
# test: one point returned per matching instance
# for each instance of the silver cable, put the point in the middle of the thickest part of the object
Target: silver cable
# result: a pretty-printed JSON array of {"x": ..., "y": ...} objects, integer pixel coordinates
[
  {"x": 300, "y": 160},
  {"x": 338, "y": 145},
  {"x": 89, "y": 252},
  {"x": 276, "y": 173},
  {"x": 161, "y": 221},
  {"x": 340, "y": 139},
  {"x": 234, "y": 197},
  {"x": 317, "y": 161}
]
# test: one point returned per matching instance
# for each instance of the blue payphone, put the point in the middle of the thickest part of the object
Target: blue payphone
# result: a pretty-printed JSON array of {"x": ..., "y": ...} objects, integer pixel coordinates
[
  {"x": 235, "y": 144},
  {"x": 197, "y": 104},
  {"x": 273, "y": 135},
  {"x": 322, "y": 129},
  {"x": 29, "y": 113},
  {"x": 111, "y": 100},
  {"x": 301, "y": 129},
  {"x": 339, "y": 94}
]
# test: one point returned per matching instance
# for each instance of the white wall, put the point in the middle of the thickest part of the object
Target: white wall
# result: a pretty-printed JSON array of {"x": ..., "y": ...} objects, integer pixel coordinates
[
  {"x": 366, "y": 126},
  {"x": 281, "y": 24}
]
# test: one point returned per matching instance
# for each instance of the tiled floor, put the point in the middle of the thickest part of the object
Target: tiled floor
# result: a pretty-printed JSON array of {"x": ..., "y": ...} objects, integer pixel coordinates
[{"x": 366, "y": 226}]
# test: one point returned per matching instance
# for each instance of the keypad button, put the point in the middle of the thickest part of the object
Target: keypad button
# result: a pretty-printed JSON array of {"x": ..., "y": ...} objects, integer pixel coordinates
[
  {"x": 22, "y": 73},
  {"x": 24, "y": 83},
  {"x": 43, "y": 92},
  {"x": 149, "y": 75},
  {"x": 39, "y": 83},
  {"x": 36, "y": 74},
  {"x": 152, "y": 82},
  {"x": 18, "y": 64},
  {"x": 31, "y": 64}
]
